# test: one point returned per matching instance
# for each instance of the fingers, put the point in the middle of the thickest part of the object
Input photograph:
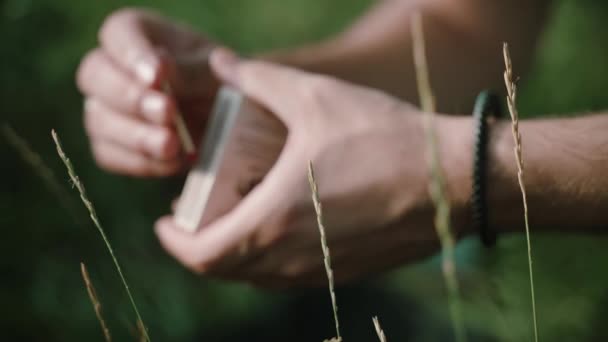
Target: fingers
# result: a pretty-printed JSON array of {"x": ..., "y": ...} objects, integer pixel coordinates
[
  {"x": 139, "y": 53},
  {"x": 198, "y": 252},
  {"x": 99, "y": 77},
  {"x": 139, "y": 137},
  {"x": 265, "y": 82},
  {"x": 117, "y": 159},
  {"x": 156, "y": 50},
  {"x": 127, "y": 36}
]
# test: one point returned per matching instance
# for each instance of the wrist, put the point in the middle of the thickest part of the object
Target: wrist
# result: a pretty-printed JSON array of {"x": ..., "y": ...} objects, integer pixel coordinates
[
  {"x": 505, "y": 211},
  {"x": 455, "y": 144},
  {"x": 504, "y": 203}
]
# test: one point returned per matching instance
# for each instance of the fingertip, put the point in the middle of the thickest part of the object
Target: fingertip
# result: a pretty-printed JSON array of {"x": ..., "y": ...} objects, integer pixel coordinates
[
  {"x": 162, "y": 222},
  {"x": 222, "y": 54},
  {"x": 162, "y": 143},
  {"x": 178, "y": 244},
  {"x": 148, "y": 69},
  {"x": 223, "y": 62},
  {"x": 171, "y": 147},
  {"x": 166, "y": 232},
  {"x": 91, "y": 104},
  {"x": 157, "y": 107}
]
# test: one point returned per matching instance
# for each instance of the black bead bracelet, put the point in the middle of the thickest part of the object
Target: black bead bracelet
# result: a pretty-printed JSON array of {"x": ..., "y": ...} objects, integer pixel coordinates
[{"x": 487, "y": 107}]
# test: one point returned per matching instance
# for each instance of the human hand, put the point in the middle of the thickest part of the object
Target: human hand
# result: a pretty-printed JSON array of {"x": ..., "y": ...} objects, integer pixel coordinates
[
  {"x": 128, "y": 117},
  {"x": 368, "y": 150}
]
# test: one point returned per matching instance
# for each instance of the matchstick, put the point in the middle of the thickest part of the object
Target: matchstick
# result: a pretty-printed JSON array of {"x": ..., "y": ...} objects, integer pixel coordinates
[{"x": 181, "y": 127}]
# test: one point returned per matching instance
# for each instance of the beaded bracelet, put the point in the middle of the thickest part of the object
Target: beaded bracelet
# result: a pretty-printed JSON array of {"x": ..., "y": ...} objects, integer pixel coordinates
[{"x": 487, "y": 107}]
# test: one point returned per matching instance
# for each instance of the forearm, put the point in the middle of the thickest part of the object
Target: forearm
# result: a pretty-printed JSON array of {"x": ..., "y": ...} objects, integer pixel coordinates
[
  {"x": 463, "y": 42},
  {"x": 565, "y": 168}
]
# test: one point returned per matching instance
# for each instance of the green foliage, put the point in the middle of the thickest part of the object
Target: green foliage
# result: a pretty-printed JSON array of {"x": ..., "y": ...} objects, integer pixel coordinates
[{"x": 41, "y": 291}]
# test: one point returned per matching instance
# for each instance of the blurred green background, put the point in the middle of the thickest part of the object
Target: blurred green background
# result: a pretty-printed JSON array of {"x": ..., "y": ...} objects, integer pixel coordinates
[{"x": 42, "y": 296}]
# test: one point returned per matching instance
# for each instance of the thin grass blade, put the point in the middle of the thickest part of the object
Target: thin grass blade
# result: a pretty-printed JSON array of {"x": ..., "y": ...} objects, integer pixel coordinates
[
  {"x": 95, "y": 301},
  {"x": 326, "y": 255},
  {"x": 519, "y": 159},
  {"x": 437, "y": 184},
  {"x": 93, "y": 214}
]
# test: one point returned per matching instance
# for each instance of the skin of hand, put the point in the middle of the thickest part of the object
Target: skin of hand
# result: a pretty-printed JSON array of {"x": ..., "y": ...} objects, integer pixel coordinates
[
  {"x": 368, "y": 151},
  {"x": 130, "y": 120},
  {"x": 370, "y": 169},
  {"x": 128, "y": 117}
]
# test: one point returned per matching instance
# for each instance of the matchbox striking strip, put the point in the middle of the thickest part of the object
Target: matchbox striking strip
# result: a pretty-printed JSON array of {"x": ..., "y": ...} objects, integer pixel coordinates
[{"x": 201, "y": 178}]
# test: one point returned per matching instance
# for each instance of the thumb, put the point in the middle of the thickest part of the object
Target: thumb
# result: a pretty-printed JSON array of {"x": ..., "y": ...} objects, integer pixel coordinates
[
  {"x": 260, "y": 208},
  {"x": 269, "y": 84}
]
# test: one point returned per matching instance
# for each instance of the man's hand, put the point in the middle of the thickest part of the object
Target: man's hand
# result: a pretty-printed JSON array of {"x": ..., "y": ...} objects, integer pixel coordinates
[
  {"x": 128, "y": 117},
  {"x": 368, "y": 151}
]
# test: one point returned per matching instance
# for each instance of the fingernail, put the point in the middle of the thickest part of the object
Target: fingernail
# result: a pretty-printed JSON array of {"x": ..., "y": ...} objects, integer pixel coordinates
[
  {"x": 154, "y": 107},
  {"x": 90, "y": 104},
  {"x": 224, "y": 63},
  {"x": 146, "y": 69}
]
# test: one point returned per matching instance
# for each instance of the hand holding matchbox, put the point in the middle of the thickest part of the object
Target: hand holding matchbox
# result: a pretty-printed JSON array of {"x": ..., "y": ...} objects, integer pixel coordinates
[{"x": 241, "y": 144}]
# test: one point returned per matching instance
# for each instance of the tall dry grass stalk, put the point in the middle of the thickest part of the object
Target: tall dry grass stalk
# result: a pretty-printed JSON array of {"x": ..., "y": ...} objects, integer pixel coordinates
[
  {"x": 326, "y": 256},
  {"x": 437, "y": 183},
  {"x": 95, "y": 301},
  {"x": 511, "y": 97},
  {"x": 35, "y": 161},
  {"x": 93, "y": 214},
  {"x": 379, "y": 330},
  {"x": 141, "y": 330}
]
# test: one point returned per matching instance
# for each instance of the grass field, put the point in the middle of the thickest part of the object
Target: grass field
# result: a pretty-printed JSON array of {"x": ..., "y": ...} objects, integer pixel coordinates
[{"x": 42, "y": 293}]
